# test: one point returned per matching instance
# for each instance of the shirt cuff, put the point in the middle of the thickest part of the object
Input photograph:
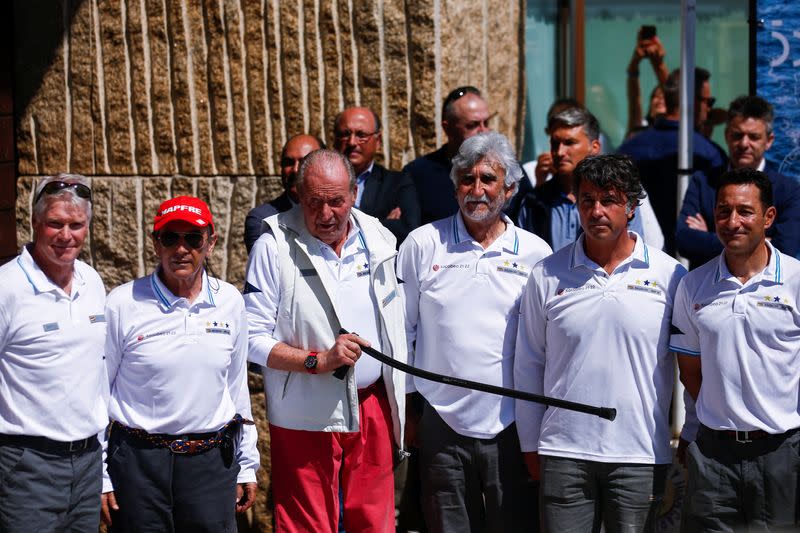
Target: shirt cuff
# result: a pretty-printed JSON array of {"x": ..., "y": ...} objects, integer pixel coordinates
[
  {"x": 260, "y": 349},
  {"x": 247, "y": 475},
  {"x": 107, "y": 486}
]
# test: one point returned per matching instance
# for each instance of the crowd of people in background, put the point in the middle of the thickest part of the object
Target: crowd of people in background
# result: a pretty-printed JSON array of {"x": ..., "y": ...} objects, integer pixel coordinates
[{"x": 557, "y": 278}]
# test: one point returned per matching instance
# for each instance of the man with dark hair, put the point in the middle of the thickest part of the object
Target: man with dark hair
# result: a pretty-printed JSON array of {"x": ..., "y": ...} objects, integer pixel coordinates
[
  {"x": 735, "y": 332},
  {"x": 594, "y": 328},
  {"x": 53, "y": 387},
  {"x": 471, "y": 468},
  {"x": 464, "y": 113},
  {"x": 748, "y": 134},
  {"x": 655, "y": 151},
  {"x": 292, "y": 155},
  {"x": 387, "y": 195},
  {"x": 550, "y": 210}
]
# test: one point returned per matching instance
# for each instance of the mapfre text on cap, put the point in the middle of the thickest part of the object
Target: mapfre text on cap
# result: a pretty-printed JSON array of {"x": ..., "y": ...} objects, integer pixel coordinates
[{"x": 181, "y": 207}]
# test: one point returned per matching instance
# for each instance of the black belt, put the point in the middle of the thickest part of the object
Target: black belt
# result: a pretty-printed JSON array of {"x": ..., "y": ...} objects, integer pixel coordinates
[
  {"x": 744, "y": 437},
  {"x": 49, "y": 445}
]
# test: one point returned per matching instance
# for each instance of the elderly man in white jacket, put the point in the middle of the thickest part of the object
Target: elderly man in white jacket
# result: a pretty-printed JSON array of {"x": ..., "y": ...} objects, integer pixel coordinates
[{"x": 322, "y": 266}]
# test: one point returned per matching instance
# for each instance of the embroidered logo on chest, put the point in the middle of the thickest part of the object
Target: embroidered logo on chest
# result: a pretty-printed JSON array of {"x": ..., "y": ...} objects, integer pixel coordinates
[
  {"x": 362, "y": 270},
  {"x": 775, "y": 302},
  {"x": 510, "y": 267},
  {"x": 645, "y": 285},
  {"x": 218, "y": 327}
]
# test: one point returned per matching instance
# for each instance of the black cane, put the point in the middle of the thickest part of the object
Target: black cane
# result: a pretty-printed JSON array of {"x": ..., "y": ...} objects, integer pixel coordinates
[{"x": 609, "y": 413}]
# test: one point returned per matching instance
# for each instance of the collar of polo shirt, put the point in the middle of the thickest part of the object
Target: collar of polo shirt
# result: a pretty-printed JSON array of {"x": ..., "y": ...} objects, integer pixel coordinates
[
  {"x": 641, "y": 253},
  {"x": 39, "y": 280},
  {"x": 167, "y": 300}
]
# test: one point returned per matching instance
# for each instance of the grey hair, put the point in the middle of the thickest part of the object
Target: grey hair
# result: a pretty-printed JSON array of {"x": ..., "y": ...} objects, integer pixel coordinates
[
  {"x": 493, "y": 147},
  {"x": 575, "y": 116},
  {"x": 327, "y": 159},
  {"x": 68, "y": 195}
]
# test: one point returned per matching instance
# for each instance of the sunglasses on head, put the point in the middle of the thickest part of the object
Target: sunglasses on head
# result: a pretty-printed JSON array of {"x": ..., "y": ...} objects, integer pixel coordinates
[
  {"x": 455, "y": 94},
  {"x": 193, "y": 239},
  {"x": 57, "y": 186}
]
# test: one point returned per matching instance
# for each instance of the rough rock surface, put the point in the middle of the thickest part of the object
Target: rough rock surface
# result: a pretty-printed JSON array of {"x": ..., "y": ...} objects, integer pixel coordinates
[{"x": 155, "y": 98}]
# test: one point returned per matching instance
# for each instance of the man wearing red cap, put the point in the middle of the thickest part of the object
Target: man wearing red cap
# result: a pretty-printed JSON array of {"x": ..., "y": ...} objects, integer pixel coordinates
[{"x": 181, "y": 452}]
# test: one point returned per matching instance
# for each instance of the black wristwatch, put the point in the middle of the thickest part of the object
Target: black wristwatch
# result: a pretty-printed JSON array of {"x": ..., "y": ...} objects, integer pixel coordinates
[{"x": 311, "y": 363}]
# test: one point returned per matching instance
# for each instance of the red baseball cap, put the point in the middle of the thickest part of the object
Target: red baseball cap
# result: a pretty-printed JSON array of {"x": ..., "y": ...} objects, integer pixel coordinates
[{"x": 187, "y": 208}]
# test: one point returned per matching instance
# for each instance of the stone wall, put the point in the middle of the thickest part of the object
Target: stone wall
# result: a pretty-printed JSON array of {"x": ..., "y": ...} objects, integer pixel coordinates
[
  {"x": 156, "y": 98},
  {"x": 153, "y": 98}
]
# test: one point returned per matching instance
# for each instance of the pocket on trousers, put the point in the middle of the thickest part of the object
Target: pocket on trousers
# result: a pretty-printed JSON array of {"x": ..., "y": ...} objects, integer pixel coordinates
[{"x": 10, "y": 458}]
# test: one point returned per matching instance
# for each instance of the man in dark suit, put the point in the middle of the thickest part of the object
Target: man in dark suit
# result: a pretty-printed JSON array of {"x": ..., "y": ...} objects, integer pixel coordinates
[
  {"x": 387, "y": 195},
  {"x": 292, "y": 155},
  {"x": 748, "y": 134}
]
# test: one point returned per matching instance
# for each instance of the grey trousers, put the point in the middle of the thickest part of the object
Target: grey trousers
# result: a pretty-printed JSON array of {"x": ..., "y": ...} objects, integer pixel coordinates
[
  {"x": 579, "y": 496},
  {"x": 736, "y": 487},
  {"x": 161, "y": 492},
  {"x": 49, "y": 492},
  {"x": 473, "y": 485}
]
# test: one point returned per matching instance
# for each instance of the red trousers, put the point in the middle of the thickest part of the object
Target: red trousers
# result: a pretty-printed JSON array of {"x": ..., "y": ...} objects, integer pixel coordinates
[{"x": 307, "y": 467}]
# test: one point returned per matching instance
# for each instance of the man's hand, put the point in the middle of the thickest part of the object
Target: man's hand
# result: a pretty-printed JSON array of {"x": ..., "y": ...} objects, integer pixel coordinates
[
  {"x": 697, "y": 222},
  {"x": 532, "y": 462},
  {"x": 394, "y": 214},
  {"x": 544, "y": 166},
  {"x": 345, "y": 351},
  {"x": 245, "y": 496},
  {"x": 108, "y": 502},
  {"x": 653, "y": 50}
]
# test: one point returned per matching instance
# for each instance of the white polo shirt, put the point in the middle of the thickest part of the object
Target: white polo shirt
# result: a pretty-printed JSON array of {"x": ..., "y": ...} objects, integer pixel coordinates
[
  {"x": 748, "y": 339},
  {"x": 462, "y": 303},
  {"x": 590, "y": 337},
  {"x": 52, "y": 375},
  {"x": 348, "y": 275},
  {"x": 176, "y": 367}
]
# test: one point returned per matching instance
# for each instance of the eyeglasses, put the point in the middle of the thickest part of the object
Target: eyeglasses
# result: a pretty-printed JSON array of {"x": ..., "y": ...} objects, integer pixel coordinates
[
  {"x": 56, "y": 186},
  {"x": 193, "y": 239},
  {"x": 455, "y": 94},
  {"x": 361, "y": 136},
  {"x": 710, "y": 101}
]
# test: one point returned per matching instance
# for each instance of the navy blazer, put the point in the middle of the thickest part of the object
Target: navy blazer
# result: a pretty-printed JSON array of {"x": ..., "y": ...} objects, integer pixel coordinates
[
  {"x": 700, "y": 247},
  {"x": 252, "y": 223},
  {"x": 383, "y": 191}
]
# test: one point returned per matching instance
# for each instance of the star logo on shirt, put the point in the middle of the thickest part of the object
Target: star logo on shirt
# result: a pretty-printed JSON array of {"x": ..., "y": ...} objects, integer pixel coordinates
[
  {"x": 647, "y": 282},
  {"x": 766, "y": 298},
  {"x": 506, "y": 262},
  {"x": 776, "y": 299},
  {"x": 514, "y": 265}
]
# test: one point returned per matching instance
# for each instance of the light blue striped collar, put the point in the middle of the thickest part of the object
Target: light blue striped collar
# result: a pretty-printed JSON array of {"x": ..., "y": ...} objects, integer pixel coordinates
[
  {"x": 167, "y": 300},
  {"x": 39, "y": 280},
  {"x": 773, "y": 271},
  {"x": 509, "y": 239},
  {"x": 640, "y": 254}
]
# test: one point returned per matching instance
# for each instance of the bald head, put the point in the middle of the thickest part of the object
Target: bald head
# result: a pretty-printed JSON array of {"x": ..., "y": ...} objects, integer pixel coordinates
[
  {"x": 292, "y": 156},
  {"x": 463, "y": 118}
]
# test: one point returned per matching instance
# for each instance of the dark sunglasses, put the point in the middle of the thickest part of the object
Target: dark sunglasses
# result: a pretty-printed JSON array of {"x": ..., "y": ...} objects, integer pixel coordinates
[
  {"x": 193, "y": 239},
  {"x": 455, "y": 94},
  {"x": 56, "y": 186}
]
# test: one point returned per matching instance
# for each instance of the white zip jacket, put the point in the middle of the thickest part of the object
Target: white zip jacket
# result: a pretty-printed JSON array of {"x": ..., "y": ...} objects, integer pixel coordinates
[{"x": 307, "y": 318}]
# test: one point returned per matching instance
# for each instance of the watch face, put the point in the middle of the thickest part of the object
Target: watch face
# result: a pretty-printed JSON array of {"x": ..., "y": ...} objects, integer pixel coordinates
[{"x": 310, "y": 362}]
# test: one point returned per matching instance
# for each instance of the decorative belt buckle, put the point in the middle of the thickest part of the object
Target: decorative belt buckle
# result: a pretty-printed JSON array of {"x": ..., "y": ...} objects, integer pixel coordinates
[
  {"x": 745, "y": 439},
  {"x": 178, "y": 446}
]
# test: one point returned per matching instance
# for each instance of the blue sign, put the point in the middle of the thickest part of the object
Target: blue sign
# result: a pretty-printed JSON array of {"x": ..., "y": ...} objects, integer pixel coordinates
[{"x": 778, "y": 77}]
